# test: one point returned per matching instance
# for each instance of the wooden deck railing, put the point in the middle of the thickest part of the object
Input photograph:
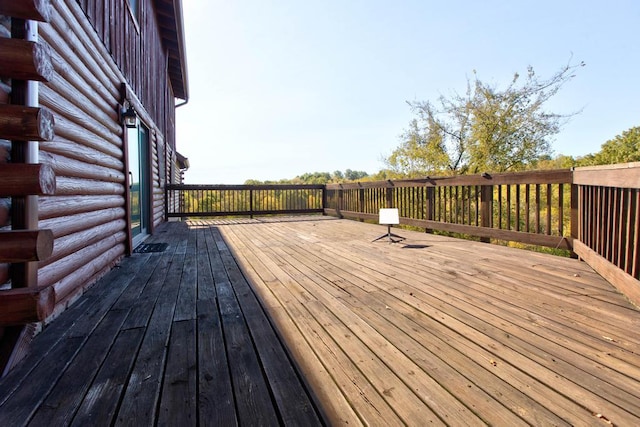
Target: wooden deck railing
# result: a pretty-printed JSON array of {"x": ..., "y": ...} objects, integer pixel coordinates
[
  {"x": 608, "y": 227},
  {"x": 529, "y": 207},
  {"x": 594, "y": 212},
  {"x": 238, "y": 200}
]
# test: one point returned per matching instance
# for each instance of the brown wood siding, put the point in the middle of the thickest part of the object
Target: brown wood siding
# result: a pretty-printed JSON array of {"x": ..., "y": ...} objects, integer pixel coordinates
[{"x": 135, "y": 44}]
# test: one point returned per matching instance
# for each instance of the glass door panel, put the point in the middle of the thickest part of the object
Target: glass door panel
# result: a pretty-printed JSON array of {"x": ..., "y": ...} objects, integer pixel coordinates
[{"x": 137, "y": 151}]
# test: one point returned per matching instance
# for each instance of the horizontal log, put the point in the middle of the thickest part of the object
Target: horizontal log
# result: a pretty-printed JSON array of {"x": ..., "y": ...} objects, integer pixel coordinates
[
  {"x": 625, "y": 283},
  {"x": 72, "y": 168},
  {"x": 24, "y": 179},
  {"x": 82, "y": 153},
  {"x": 73, "y": 243},
  {"x": 26, "y": 123},
  {"x": 25, "y": 305},
  {"x": 83, "y": 187},
  {"x": 77, "y": 133},
  {"x": 57, "y": 206},
  {"x": 70, "y": 67},
  {"x": 25, "y": 245},
  {"x": 59, "y": 270},
  {"x": 87, "y": 48},
  {"x": 36, "y": 10},
  {"x": 72, "y": 285},
  {"x": 87, "y": 100},
  {"x": 63, "y": 226},
  {"x": 25, "y": 60},
  {"x": 99, "y": 124}
]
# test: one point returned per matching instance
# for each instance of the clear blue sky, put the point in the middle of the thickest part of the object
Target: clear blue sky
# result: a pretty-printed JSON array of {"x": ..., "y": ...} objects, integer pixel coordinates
[{"x": 279, "y": 88}]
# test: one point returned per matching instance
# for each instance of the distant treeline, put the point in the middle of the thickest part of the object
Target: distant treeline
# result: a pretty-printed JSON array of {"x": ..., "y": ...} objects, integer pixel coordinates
[{"x": 623, "y": 148}]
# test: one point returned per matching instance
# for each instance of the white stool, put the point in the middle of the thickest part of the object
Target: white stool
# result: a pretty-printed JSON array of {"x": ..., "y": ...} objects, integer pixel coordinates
[{"x": 389, "y": 217}]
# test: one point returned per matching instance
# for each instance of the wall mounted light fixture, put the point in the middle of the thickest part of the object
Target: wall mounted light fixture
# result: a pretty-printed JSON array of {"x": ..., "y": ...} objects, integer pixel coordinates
[{"x": 129, "y": 117}]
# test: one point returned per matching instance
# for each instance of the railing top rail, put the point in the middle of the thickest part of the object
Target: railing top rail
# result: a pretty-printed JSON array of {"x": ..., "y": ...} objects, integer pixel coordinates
[
  {"x": 624, "y": 175},
  {"x": 559, "y": 176},
  {"x": 245, "y": 187}
]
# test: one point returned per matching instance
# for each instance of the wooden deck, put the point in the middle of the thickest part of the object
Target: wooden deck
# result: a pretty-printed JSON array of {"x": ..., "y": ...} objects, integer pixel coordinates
[{"x": 432, "y": 330}]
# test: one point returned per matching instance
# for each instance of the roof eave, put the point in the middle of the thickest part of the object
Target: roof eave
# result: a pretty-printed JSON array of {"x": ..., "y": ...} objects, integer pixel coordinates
[{"x": 170, "y": 21}]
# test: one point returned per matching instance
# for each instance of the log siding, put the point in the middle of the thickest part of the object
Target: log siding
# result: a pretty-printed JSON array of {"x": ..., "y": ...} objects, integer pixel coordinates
[
  {"x": 96, "y": 47},
  {"x": 5, "y": 149}
]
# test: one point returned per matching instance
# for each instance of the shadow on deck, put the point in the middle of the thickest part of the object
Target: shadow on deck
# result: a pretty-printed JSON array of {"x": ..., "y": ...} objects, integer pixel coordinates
[
  {"x": 433, "y": 330},
  {"x": 172, "y": 338}
]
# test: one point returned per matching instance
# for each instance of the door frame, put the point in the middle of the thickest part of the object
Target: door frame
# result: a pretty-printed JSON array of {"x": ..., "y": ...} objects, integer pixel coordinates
[{"x": 146, "y": 186}]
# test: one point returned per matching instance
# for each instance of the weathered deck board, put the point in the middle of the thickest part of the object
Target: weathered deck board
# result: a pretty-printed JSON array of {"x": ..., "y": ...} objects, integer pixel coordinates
[
  {"x": 432, "y": 330},
  {"x": 514, "y": 337},
  {"x": 172, "y": 338}
]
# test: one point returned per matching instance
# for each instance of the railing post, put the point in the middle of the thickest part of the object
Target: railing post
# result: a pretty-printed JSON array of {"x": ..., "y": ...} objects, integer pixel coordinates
[
  {"x": 251, "y": 203},
  {"x": 429, "y": 206},
  {"x": 324, "y": 199},
  {"x": 361, "y": 201},
  {"x": 339, "y": 202},
  {"x": 486, "y": 209},
  {"x": 575, "y": 215},
  {"x": 389, "y": 201},
  {"x": 166, "y": 203}
]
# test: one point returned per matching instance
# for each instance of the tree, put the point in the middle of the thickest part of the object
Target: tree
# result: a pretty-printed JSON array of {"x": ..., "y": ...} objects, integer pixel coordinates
[
  {"x": 621, "y": 149},
  {"x": 351, "y": 175},
  {"x": 486, "y": 129}
]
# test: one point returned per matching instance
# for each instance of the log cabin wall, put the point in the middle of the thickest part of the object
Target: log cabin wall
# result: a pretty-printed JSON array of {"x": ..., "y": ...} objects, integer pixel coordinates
[
  {"x": 96, "y": 46},
  {"x": 135, "y": 43},
  {"x": 5, "y": 149},
  {"x": 87, "y": 213}
]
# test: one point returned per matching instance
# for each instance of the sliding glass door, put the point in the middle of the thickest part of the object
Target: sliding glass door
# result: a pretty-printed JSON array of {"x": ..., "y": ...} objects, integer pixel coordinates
[{"x": 138, "y": 140}]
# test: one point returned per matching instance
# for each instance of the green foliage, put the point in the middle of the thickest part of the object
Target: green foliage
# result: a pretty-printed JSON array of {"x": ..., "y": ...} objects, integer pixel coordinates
[
  {"x": 549, "y": 163},
  {"x": 317, "y": 178},
  {"x": 312, "y": 178},
  {"x": 485, "y": 129},
  {"x": 621, "y": 149}
]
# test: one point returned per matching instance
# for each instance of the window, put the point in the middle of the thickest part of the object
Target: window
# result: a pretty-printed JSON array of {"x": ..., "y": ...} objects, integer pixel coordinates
[{"x": 134, "y": 7}]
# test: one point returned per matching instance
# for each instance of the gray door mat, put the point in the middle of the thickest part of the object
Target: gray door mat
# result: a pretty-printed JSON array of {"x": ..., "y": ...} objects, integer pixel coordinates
[{"x": 144, "y": 248}]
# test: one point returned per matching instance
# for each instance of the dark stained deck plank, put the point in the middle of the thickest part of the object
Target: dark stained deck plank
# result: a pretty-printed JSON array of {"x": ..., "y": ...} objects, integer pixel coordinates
[
  {"x": 294, "y": 405},
  {"x": 147, "y": 345},
  {"x": 62, "y": 402},
  {"x": 139, "y": 404},
  {"x": 101, "y": 402},
  {"x": 178, "y": 406},
  {"x": 216, "y": 403},
  {"x": 250, "y": 389},
  {"x": 55, "y": 348}
]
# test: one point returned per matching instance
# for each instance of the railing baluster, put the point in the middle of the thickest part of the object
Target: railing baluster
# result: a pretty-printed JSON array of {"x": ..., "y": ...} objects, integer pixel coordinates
[{"x": 549, "y": 204}]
